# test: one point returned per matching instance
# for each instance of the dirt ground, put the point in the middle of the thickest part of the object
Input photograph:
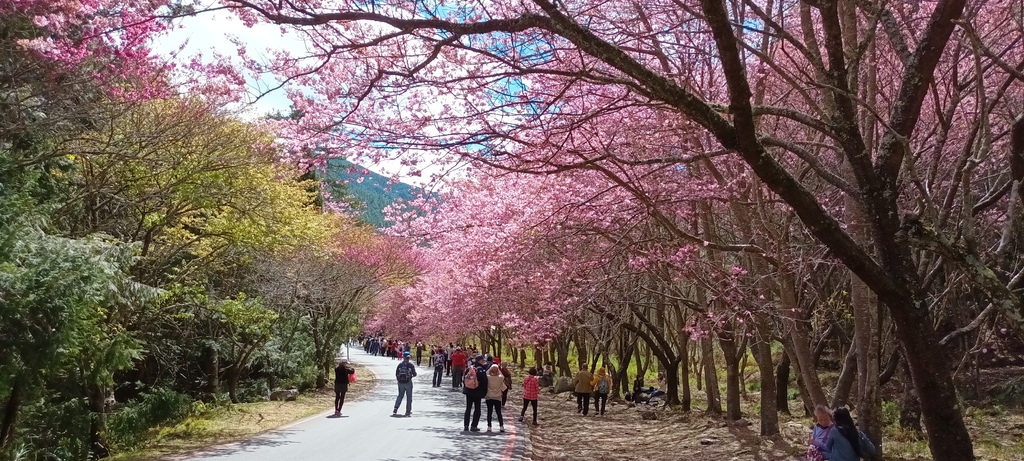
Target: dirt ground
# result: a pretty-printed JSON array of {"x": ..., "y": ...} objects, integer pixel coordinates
[{"x": 622, "y": 434}]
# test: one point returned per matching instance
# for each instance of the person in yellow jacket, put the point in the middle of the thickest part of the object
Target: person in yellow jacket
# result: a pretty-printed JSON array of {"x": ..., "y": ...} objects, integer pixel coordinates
[
  {"x": 602, "y": 385},
  {"x": 583, "y": 391}
]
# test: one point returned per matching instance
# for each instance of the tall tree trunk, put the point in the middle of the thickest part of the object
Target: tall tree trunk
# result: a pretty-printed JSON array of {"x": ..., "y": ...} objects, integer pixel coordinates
[
  {"x": 805, "y": 397},
  {"x": 14, "y": 401},
  {"x": 563, "y": 358},
  {"x": 684, "y": 343},
  {"x": 730, "y": 351},
  {"x": 782, "y": 385},
  {"x": 97, "y": 422},
  {"x": 711, "y": 389},
  {"x": 763, "y": 356},
  {"x": 847, "y": 378},
  {"x": 910, "y": 405},
  {"x": 799, "y": 340},
  {"x": 583, "y": 355}
]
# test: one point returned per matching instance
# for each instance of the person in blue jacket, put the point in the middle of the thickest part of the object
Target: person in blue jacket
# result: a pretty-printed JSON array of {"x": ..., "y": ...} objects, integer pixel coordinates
[{"x": 845, "y": 442}]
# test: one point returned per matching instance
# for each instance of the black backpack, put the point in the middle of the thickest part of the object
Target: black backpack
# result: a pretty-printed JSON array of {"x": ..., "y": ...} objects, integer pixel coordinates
[{"x": 404, "y": 375}]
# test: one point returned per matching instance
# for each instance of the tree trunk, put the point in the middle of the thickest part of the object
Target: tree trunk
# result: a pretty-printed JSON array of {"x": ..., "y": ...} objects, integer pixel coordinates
[
  {"x": 11, "y": 411},
  {"x": 847, "y": 378},
  {"x": 97, "y": 423},
  {"x": 583, "y": 356},
  {"x": 671, "y": 370},
  {"x": 211, "y": 362},
  {"x": 763, "y": 356},
  {"x": 711, "y": 389},
  {"x": 563, "y": 358},
  {"x": 782, "y": 385},
  {"x": 799, "y": 341},
  {"x": 910, "y": 405},
  {"x": 683, "y": 361},
  {"x": 732, "y": 375}
]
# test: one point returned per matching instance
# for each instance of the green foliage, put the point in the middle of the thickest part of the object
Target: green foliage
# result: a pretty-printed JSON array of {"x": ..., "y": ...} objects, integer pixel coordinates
[
  {"x": 890, "y": 413},
  {"x": 1010, "y": 393},
  {"x": 128, "y": 427}
]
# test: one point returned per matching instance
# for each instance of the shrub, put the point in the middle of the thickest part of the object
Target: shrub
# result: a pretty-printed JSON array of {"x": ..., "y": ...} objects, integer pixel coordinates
[{"x": 128, "y": 428}]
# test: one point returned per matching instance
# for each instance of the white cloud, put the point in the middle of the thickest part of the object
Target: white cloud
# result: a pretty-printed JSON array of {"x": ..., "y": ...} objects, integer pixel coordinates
[
  {"x": 212, "y": 32},
  {"x": 217, "y": 32}
]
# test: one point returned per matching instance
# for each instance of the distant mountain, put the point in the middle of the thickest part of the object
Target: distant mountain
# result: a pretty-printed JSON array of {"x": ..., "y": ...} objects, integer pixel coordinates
[{"x": 371, "y": 192}]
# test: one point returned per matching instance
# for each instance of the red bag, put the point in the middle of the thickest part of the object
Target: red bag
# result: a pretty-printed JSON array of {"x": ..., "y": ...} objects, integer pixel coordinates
[{"x": 352, "y": 377}]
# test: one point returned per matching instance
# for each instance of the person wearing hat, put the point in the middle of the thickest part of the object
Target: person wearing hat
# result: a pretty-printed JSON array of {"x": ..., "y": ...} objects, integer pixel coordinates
[
  {"x": 341, "y": 374},
  {"x": 405, "y": 372}
]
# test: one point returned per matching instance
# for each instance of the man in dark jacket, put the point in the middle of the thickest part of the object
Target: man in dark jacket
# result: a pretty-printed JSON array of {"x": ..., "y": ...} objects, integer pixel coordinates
[
  {"x": 475, "y": 395},
  {"x": 405, "y": 372}
]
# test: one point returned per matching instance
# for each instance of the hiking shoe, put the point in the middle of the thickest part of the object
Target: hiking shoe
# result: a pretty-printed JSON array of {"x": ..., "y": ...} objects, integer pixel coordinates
[
  {"x": 408, "y": 414},
  {"x": 474, "y": 429},
  {"x": 488, "y": 428},
  {"x": 520, "y": 419},
  {"x": 395, "y": 411},
  {"x": 501, "y": 428},
  {"x": 465, "y": 429}
]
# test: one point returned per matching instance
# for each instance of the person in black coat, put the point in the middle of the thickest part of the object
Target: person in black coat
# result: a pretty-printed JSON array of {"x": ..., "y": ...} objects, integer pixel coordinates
[
  {"x": 474, "y": 396},
  {"x": 341, "y": 374}
]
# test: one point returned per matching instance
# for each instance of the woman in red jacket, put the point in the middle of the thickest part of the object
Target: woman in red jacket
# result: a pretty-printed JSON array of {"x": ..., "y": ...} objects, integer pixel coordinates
[{"x": 531, "y": 390}]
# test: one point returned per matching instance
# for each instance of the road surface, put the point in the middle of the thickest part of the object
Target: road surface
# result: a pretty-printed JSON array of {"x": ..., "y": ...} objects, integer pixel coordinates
[{"x": 367, "y": 431}]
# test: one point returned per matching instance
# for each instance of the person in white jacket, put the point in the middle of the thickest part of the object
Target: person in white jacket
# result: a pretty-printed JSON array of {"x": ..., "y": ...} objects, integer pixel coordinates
[{"x": 495, "y": 387}]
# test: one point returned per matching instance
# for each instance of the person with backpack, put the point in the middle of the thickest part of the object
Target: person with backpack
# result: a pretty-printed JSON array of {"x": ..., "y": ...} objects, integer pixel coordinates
[
  {"x": 845, "y": 442},
  {"x": 405, "y": 372},
  {"x": 506, "y": 377},
  {"x": 583, "y": 390},
  {"x": 458, "y": 367},
  {"x": 341, "y": 378},
  {"x": 438, "y": 359},
  {"x": 531, "y": 391},
  {"x": 602, "y": 384},
  {"x": 474, "y": 385},
  {"x": 495, "y": 388}
]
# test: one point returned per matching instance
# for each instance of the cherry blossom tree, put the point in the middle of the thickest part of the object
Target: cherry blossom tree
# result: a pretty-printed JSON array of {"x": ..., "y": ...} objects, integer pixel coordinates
[{"x": 859, "y": 96}]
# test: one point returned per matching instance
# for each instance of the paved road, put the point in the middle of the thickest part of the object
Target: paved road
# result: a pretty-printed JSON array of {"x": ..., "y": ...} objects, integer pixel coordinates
[{"x": 368, "y": 431}]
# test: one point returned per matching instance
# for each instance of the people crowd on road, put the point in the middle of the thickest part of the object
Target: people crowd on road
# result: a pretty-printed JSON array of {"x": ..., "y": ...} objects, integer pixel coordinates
[{"x": 486, "y": 381}]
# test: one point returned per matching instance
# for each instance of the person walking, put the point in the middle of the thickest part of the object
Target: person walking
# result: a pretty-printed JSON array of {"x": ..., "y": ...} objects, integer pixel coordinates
[
  {"x": 448, "y": 351},
  {"x": 583, "y": 390},
  {"x": 405, "y": 372},
  {"x": 602, "y": 384},
  {"x": 506, "y": 377},
  {"x": 438, "y": 360},
  {"x": 531, "y": 391},
  {"x": 458, "y": 367},
  {"x": 419, "y": 352},
  {"x": 495, "y": 389},
  {"x": 475, "y": 388},
  {"x": 341, "y": 377}
]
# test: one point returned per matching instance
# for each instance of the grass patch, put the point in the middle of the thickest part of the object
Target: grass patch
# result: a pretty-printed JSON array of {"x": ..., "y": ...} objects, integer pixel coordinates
[{"x": 231, "y": 423}]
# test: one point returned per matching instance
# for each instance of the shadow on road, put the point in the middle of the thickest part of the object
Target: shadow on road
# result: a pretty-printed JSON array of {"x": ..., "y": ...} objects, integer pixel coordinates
[{"x": 271, "y": 439}]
